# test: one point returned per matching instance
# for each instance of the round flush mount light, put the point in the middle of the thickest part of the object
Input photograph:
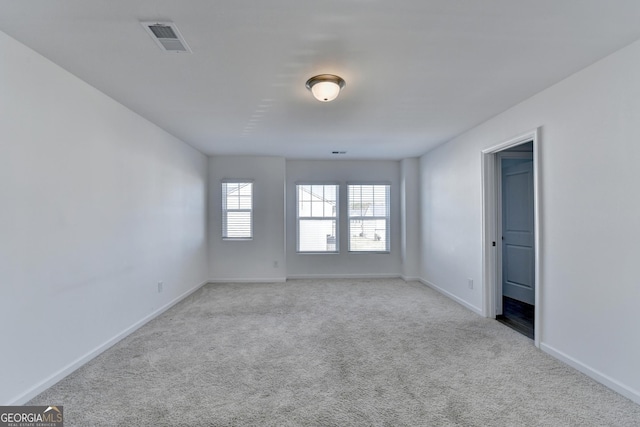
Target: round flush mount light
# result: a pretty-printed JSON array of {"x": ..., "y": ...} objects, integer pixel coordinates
[{"x": 325, "y": 87}]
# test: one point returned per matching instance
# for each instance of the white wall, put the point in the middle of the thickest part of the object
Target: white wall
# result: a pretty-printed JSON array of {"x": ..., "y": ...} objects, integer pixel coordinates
[
  {"x": 250, "y": 260},
  {"x": 273, "y": 178},
  {"x": 98, "y": 205},
  {"x": 410, "y": 220},
  {"x": 590, "y": 220},
  {"x": 451, "y": 221},
  {"x": 344, "y": 264}
]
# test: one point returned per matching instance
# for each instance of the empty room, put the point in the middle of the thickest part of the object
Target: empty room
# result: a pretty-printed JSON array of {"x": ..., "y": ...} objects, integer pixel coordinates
[{"x": 339, "y": 213}]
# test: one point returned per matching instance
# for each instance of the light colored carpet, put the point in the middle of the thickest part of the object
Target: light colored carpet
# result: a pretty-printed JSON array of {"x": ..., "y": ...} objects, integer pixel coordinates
[{"x": 330, "y": 353}]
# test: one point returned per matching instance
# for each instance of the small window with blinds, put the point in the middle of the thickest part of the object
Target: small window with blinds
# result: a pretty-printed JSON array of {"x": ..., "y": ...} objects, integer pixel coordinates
[
  {"x": 237, "y": 210},
  {"x": 369, "y": 217},
  {"x": 317, "y": 214}
]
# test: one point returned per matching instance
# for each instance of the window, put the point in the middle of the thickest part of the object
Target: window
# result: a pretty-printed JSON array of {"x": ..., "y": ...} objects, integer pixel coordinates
[
  {"x": 317, "y": 206},
  {"x": 237, "y": 210},
  {"x": 369, "y": 218}
]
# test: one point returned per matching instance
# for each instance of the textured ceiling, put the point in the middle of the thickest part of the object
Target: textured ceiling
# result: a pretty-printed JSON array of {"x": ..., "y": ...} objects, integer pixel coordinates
[{"x": 418, "y": 72}]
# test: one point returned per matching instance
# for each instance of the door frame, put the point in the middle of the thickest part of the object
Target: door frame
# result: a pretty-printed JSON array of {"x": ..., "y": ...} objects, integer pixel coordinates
[{"x": 491, "y": 267}]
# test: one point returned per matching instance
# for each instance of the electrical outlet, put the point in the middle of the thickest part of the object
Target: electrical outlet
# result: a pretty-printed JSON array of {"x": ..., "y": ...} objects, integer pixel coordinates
[
  {"x": 470, "y": 283},
  {"x": 160, "y": 286}
]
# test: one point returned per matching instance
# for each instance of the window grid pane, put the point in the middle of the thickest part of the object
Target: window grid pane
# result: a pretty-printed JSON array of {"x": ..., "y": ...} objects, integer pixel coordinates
[
  {"x": 317, "y": 212},
  {"x": 317, "y": 235},
  {"x": 237, "y": 210},
  {"x": 369, "y": 218}
]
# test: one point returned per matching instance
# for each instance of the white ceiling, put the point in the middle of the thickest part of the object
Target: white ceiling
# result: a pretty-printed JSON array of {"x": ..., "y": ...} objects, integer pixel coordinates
[{"x": 418, "y": 72}]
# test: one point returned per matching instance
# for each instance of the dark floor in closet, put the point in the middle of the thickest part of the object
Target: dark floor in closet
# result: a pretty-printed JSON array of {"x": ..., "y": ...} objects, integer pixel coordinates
[{"x": 518, "y": 316}]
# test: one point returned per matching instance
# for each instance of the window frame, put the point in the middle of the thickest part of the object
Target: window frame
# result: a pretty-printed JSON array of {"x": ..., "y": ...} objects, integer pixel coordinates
[
  {"x": 335, "y": 218},
  {"x": 225, "y": 210},
  {"x": 386, "y": 217}
]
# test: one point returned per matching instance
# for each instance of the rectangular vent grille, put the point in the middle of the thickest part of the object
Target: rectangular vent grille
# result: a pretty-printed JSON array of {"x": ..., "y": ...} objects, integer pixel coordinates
[
  {"x": 167, "y": 36},
  {"x": 172, "y": 45},
  {"x": 163, "y": 32}
]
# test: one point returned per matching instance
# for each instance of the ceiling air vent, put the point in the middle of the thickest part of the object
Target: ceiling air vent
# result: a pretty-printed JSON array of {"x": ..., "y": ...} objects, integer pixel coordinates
[{"x": 167, "y": 36}]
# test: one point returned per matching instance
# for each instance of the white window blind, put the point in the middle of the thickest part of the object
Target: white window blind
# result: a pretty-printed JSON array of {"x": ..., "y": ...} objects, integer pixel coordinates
[
  {"x": 237, "y": 210},
  {"x": 369, "y": 217},
  {"x": 317, "y": 213}
]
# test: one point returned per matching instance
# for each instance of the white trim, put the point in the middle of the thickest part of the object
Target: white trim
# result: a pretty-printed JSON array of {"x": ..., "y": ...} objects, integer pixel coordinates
[
  {"x": 531, "y": 135},
  {"x": 344, "y": 276},
  {"x": 338, "y": 183},
  {"x": 248, "y": 280},
  {"x": 57, "y": 376},
  {"x": 489, "y": 226},
  {"x": 237, "y": 180},
  {"x": 536, "y": 229},
  {"x": 409, "y": 278},
  {"x": 489, "y": 233},
  {"x": 448, "y": 294},
  {"x": 389, "y": 183},
  {"x": 606, "y": 380}
]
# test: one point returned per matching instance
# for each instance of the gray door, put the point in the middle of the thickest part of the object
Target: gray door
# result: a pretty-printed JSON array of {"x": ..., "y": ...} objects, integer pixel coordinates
[{"x": 518, "y": 254}]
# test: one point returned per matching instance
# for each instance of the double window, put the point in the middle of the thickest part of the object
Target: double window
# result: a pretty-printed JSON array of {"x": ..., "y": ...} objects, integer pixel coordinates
[
  {"x": 368, "y": 214},
  {"x": 237, "y": 210}
]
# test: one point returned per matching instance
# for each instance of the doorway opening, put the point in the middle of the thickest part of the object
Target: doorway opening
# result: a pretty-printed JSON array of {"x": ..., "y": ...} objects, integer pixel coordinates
[
  {"x": 511, "y": 234},
  {"x": 515, "y": 247}
]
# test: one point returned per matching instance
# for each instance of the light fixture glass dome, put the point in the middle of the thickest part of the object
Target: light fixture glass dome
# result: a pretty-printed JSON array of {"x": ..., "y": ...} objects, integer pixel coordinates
[
  {"x": 325, "y": 87},
  {"x": 325, "y": 91}
]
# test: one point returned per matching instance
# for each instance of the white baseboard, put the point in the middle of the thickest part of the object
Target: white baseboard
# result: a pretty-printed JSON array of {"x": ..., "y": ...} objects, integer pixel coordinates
[
  {"x": 248, "y": 280},
  {"x": 57, "y": 376},
  {"x": 409, "y": 278},
  {"x": 452, "y": 296},
  {"x": 606, "y": 380},
  {"x": 344, "y": 276}
]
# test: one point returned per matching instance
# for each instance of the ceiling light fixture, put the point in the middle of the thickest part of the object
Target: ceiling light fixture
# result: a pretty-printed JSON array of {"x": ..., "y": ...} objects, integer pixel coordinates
[{"x": 325, "y": 87}]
